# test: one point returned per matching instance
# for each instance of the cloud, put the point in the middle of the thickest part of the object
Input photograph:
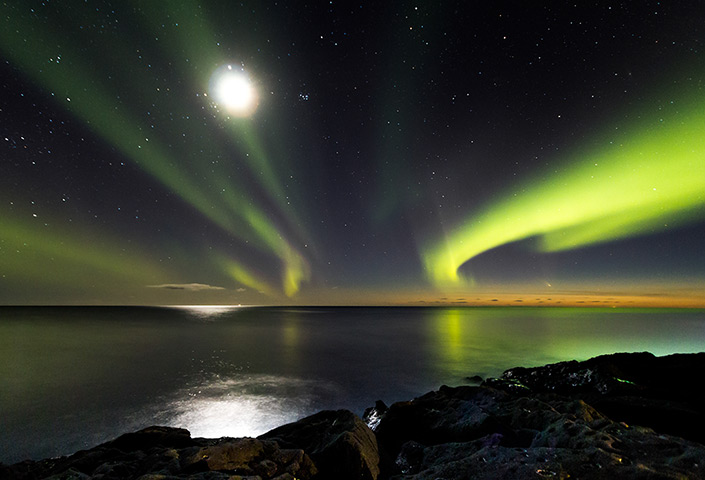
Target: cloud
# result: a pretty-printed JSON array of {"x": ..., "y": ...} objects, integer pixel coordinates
[{"x": 192, "y": 287}]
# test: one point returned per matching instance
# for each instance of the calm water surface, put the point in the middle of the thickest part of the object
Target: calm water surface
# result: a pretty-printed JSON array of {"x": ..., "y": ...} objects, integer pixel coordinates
[{"x": 72, "y": 377}]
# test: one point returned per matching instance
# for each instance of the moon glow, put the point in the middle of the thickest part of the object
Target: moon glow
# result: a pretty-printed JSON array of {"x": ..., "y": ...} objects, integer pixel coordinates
[{"x": 232, "y": 89}]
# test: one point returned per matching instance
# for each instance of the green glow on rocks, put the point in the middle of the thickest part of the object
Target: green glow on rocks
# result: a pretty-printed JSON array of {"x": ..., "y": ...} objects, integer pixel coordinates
[{"x": 637, "y": 184}]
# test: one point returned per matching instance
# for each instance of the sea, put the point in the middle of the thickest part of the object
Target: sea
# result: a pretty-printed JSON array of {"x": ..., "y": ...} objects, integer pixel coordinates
[{"x": 74, "y": 377}]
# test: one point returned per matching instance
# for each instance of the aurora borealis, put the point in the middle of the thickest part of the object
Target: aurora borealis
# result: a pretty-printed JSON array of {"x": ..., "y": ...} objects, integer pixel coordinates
[
  {"x": 355, "y": 152},
  {"x": 635, "y": 186}
]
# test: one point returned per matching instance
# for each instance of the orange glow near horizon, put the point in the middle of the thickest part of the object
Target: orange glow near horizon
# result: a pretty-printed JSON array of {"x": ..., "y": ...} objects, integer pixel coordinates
[{"x": 680, "y": 295}]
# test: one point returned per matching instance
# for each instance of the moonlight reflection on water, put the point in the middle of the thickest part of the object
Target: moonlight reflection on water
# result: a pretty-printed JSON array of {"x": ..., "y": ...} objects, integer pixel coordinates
[
  {"x": 245, "y": 406},
  {"x": 206, "y": 312}
]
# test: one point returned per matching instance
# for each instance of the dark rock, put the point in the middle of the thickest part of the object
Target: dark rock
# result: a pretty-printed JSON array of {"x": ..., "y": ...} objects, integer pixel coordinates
[
  {"x": 266, "y": 468},
  {"x": 465, "y": 461},
  {"x": 150, "y": 437},
  {"x": 474, "y": 380},
  {"x": 247, "y": 457},
  {"x": 410, "y": 457},
  {"x": 510, "y": 385},
  {"x": 636, "y": 388},
  {"x": 70, "y": 474},
  {"x": 113, "y": 470},
  {"x": 164, "y": 462},
  {"x": 339, "y": 443},
  {"x": 545, "y": 436},
  {"x": 448, "y": 415},
  {"x": 205, "y": 459},
  {"x": 235, "y": 456},
  {"x": 285, "y": 476},
  {"x": 86, "y": 462}
]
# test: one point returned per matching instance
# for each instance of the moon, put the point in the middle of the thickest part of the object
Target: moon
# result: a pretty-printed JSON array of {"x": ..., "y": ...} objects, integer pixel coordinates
[{"x": 232, "y": 89}]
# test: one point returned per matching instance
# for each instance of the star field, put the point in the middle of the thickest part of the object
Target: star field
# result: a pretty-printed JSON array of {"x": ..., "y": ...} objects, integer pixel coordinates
[{"x": 413, "y": 150}]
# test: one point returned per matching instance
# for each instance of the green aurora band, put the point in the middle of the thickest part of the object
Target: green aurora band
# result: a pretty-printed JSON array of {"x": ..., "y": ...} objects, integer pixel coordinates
[
  {"x": 72, "y": 259},
  {"x": 187, "y": 169},
  {"x": 636, "y": 184}
]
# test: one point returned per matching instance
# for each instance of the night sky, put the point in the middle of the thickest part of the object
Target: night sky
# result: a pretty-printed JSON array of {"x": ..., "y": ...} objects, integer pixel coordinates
[{"x": 393, "y": 152}]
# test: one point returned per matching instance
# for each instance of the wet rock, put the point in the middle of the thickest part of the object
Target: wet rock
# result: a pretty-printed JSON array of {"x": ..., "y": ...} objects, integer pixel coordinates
[
  {"x": 373, "y": 415},
  {"x": 339, "y": 443}
]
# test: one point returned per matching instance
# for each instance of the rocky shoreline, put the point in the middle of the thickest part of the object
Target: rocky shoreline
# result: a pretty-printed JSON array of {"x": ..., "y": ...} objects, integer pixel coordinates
[{"x": 626, "y": 416}]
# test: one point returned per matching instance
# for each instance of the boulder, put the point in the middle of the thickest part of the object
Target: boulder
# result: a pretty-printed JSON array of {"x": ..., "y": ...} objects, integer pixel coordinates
[
  {"x": 447, "y": 415},
  {"x": 246, "y": 457},
  {"x": 340, "y": 444},
  {"x": 151, "y": 437}
]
